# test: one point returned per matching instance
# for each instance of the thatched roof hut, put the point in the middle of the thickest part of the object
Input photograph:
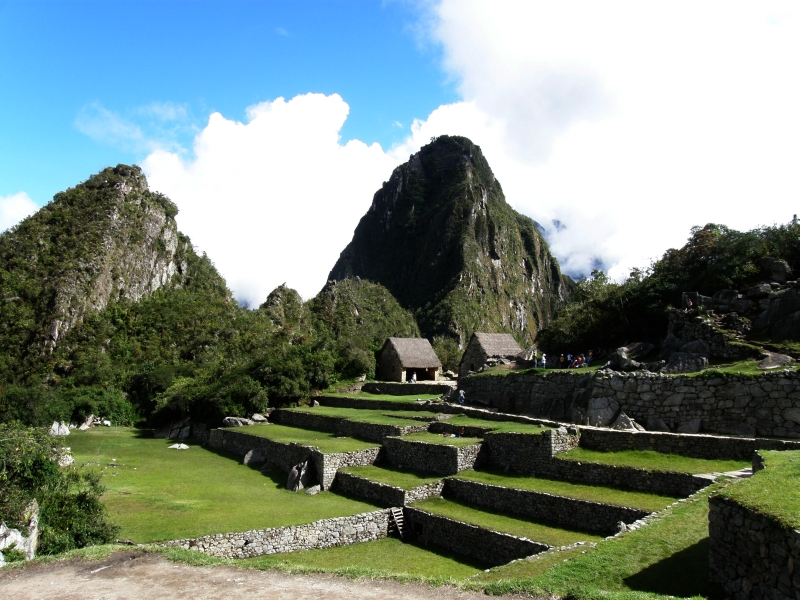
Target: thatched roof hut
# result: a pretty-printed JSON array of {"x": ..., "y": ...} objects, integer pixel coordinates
[
  {"x": 485, "y": 346},
  {"x": 400, "y": 358}
]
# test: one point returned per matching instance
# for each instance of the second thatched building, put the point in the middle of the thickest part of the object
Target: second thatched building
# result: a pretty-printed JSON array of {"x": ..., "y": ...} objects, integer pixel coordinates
[
  {"x": 484, "y": 348},
  {"x": 400, "y": 358}
]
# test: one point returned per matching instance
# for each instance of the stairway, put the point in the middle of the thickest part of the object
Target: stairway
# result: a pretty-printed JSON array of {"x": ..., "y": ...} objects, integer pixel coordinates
[{"x": 398, "y": 521}]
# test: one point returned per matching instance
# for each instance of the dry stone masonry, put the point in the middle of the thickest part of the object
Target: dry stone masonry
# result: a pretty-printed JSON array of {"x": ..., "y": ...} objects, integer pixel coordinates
[
  {"x": 360, "y": 487},
  {"x": 433, "y": 458}
]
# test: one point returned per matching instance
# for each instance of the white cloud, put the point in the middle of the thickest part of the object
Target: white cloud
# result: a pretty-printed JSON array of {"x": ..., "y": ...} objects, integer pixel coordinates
[
  {"x": 275, "y": 199},
  {"x": 628, "y": 121},
  {"x": 14, "y": 208}
]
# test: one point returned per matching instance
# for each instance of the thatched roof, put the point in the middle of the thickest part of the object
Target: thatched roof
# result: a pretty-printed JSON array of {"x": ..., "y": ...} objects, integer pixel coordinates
[
  {"x": 498, "y": 344},
  {"x": 414, "y": 353}
]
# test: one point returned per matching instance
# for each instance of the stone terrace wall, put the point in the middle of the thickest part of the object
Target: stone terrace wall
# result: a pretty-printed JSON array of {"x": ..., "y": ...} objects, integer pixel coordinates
[
  {"x": 490, "y": 547},
  {"x": 752, "y": 556},
  {"x": 285, "y": 456},
  {"x": 526, "y": 452},
  {"x": 766, "y": 404},
  {"x": 658, "y": 482},
  {"x": 360, "y": 487},
  {"x": 340, "y": 531},
  {"x": 341, "y": 402},
  {"x": 469, "y": 430},
  {"x": 565, "y": 512},
  {"x": 697, "y": 446},
  {"x": 407, "y": 389},
  {"x": 343, "y": 426},
  {"x": 552, "y": 395},
  {"x": 432, "y": 458}
]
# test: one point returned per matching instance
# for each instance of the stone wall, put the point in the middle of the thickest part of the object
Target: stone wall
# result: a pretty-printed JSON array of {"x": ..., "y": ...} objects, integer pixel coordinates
[
  {"x": 407, "y": 389},
  {"x": 340, "y": 531},
  {"x": 342, "y": 402},
  {"x": 525, "y": 452},
  {"x": 432, "y": 458},
  {"x": 697, "y": 446},
  {"x": 285, "y": 456},
  {"x": 564, "y": 512},
  {"x": 766, "y": 405},
  {"x": 343, "y": 426},
  {"x": 751, "y": 555},
  {"x": 490, "y": 547},
  {"x": 360, "y": 487}
]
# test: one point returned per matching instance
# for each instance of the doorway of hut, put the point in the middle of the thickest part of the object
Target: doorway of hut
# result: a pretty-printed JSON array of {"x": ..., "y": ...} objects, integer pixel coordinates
[{"x": 422, "y": 374}]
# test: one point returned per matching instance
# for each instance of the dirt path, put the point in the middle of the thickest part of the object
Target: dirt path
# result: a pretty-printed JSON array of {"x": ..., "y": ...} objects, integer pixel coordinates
[{"x": 134, "y": 575}]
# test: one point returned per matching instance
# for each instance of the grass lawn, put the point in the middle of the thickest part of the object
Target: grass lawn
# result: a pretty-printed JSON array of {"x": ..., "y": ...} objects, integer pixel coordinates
[
  {"x": 326, "y": 441},
  {"x": 155, "y": 493},
  {"x": 593, "y": 493},
  {"x": 400, "y": 418},
  {"x": 654, "y": 461},
  {"x": 509, "y": 370},
  {"x": 496, "y": 426},
  {"x": 668, "y": 557},
  {"x": 773, "y": 491},
  {"x": 436, "y": 438},
  {"x": 388, "y": 556},
  {"x": 539, "y": 532},
  {"x": 411, "y": 398},
  {"x": 402, "y": 478}
]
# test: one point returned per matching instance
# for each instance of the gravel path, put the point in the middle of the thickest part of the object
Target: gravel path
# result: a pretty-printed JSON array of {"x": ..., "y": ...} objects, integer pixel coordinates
[{"x": 132, "y": 574}]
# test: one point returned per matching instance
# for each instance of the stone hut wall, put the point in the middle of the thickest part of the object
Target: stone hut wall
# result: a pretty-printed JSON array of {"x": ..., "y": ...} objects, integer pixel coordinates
[
  {"x": 474, "y": 357},
  {"x": 751, "y": 555},
  {"x": 389, "y": 367},
  {"x": 564, "y": 512},
  {"x": 490, "y": 547},
  {"x": 360, "y": 487},
  {"x": 766, "y": 405},
  {"x": 432, "y": 458},
  {"x": 340, "y": 531},
  {"x": 285, "y": 456}
]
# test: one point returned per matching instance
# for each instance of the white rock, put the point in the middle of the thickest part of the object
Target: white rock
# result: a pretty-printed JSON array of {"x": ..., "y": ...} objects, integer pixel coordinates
[
  {"x": 63, "y": 429},
  {"x": 178, "y": 447},
  {"x": 107, "y": 423}
]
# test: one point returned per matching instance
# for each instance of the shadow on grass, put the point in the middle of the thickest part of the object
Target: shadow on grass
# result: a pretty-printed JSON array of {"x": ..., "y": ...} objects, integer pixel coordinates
[{"x": 684, "y": 574}]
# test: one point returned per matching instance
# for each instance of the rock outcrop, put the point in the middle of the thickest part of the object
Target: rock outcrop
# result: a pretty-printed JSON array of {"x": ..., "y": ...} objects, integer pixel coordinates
[{"x": 441, "y": 237}]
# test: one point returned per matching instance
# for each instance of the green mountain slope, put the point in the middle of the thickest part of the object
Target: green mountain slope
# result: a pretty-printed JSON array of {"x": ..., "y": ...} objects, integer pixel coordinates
[{"x": 442, "y": 239}]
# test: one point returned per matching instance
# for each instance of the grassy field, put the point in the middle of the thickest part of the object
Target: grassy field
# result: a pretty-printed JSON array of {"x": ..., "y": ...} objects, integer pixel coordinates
[
  {"x": 654, "y": 461},
  {"x": 496, "y": 426},
  {"x": 155, "y": 493},
  {"x": 773, "y": 491},
  {"x": 402, "y": 478},
  {"x": 669, "y": 557},
  {"x": 399, "y": 418},
  {"x": 411, "y": 398},
  {"x": 327, "y": 442},
  {"x": 592, "y": 493},
  {"x": 539, "y": 532},
  {"x": 436, "y": 438}
]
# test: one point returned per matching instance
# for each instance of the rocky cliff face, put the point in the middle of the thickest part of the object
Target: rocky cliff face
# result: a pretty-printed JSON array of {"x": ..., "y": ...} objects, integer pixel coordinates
[
  {"x": 441, "y": 237},
  {"x": 107, "y": 238}
]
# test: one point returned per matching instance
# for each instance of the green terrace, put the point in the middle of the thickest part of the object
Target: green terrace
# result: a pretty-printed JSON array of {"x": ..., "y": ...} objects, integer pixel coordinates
[
  {"x": 497, "y": 521},
  {"x": 436, "y": 438},
  {"x": 773, "y": 491},
  {"x": 155, "y": 493},
  {"x": 496, "y": 426},
  {"x": 327, "y": 442},
  {"x": 399, "y": 418},
  {"x": 511, "y": 370},
  {"x": 367, "y": 396},
  {"x": 654, "y": 461},
  {"x": 386, "y": 474},
  {"x": 592, "y": 493}
]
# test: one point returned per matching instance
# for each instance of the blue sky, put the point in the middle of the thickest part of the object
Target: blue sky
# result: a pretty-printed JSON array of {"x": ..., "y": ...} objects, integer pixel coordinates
[
  {"x": 57, "y": 58},
  {"x": 272, "y": 124}
]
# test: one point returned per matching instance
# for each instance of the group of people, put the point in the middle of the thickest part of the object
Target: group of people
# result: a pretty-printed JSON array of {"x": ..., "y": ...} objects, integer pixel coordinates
[
  {"x": 459, "y": 434},
  {"x": 567, "y": 361}
]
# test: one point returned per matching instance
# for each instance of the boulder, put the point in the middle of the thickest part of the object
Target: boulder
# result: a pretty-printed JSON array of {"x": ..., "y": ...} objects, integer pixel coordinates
[
  {"x": 63, "y": 456},
  {"x": 254, "y": 457},
  {"x": 692, "y": 426},
  {"x": 258, "y": 418},
  {"x": 637, "y": 350},
  {"x": 314, "y": 403},
  {"x": 87, "y": 423},
  {"x": 177, "y": 430},
  {"x": 178, "y": 447},
  {"x": 775, "y": 269},
  {"x": 236, "y": 422},
  {"x": 299, "y": 477},
  {"x": 313, "y": 490},
  {"x": 54, "y": 429},
  {"x": 762, "y": 290},
  {"x": 772, "y": 360},
  {"x": 13, "y": 538},
  {"x": 624, "y": 423},
  {"x": 685, "y": 362},
  {"x": 601, "y": 411},
  {"x": 106, "y": 423},
  {"x": 657, "y": 424},
  {"x": 669, "y": 346},
  {"x": 654, "y": 366},
  {"x": 695, "y": 347}
]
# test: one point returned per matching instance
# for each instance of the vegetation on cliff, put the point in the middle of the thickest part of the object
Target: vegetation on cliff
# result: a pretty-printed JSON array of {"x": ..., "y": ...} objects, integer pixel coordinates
[{"x": 442, "y": 239}]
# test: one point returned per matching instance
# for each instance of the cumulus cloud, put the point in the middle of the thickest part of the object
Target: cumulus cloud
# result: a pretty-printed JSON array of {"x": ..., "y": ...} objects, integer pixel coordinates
[
  {"x": 628, "y": 122},
  {"x": 276, "y": 198},
  {"x": 14, "y": 208}
]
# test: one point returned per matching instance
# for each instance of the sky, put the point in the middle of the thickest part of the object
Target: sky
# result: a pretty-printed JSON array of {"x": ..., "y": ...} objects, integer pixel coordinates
[{"x": 616, "y": 125}]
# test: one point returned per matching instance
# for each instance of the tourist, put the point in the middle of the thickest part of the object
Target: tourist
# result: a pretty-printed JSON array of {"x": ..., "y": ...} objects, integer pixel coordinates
[
  {"x": 689, "y": 305},
  {"x": 544, "y": 361},
  {"x": 413, "y": 377},
  {"x": 589, "y": 358},
  {"x": 462, "y": 397},
  {"x": 562, "y": 362}
]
